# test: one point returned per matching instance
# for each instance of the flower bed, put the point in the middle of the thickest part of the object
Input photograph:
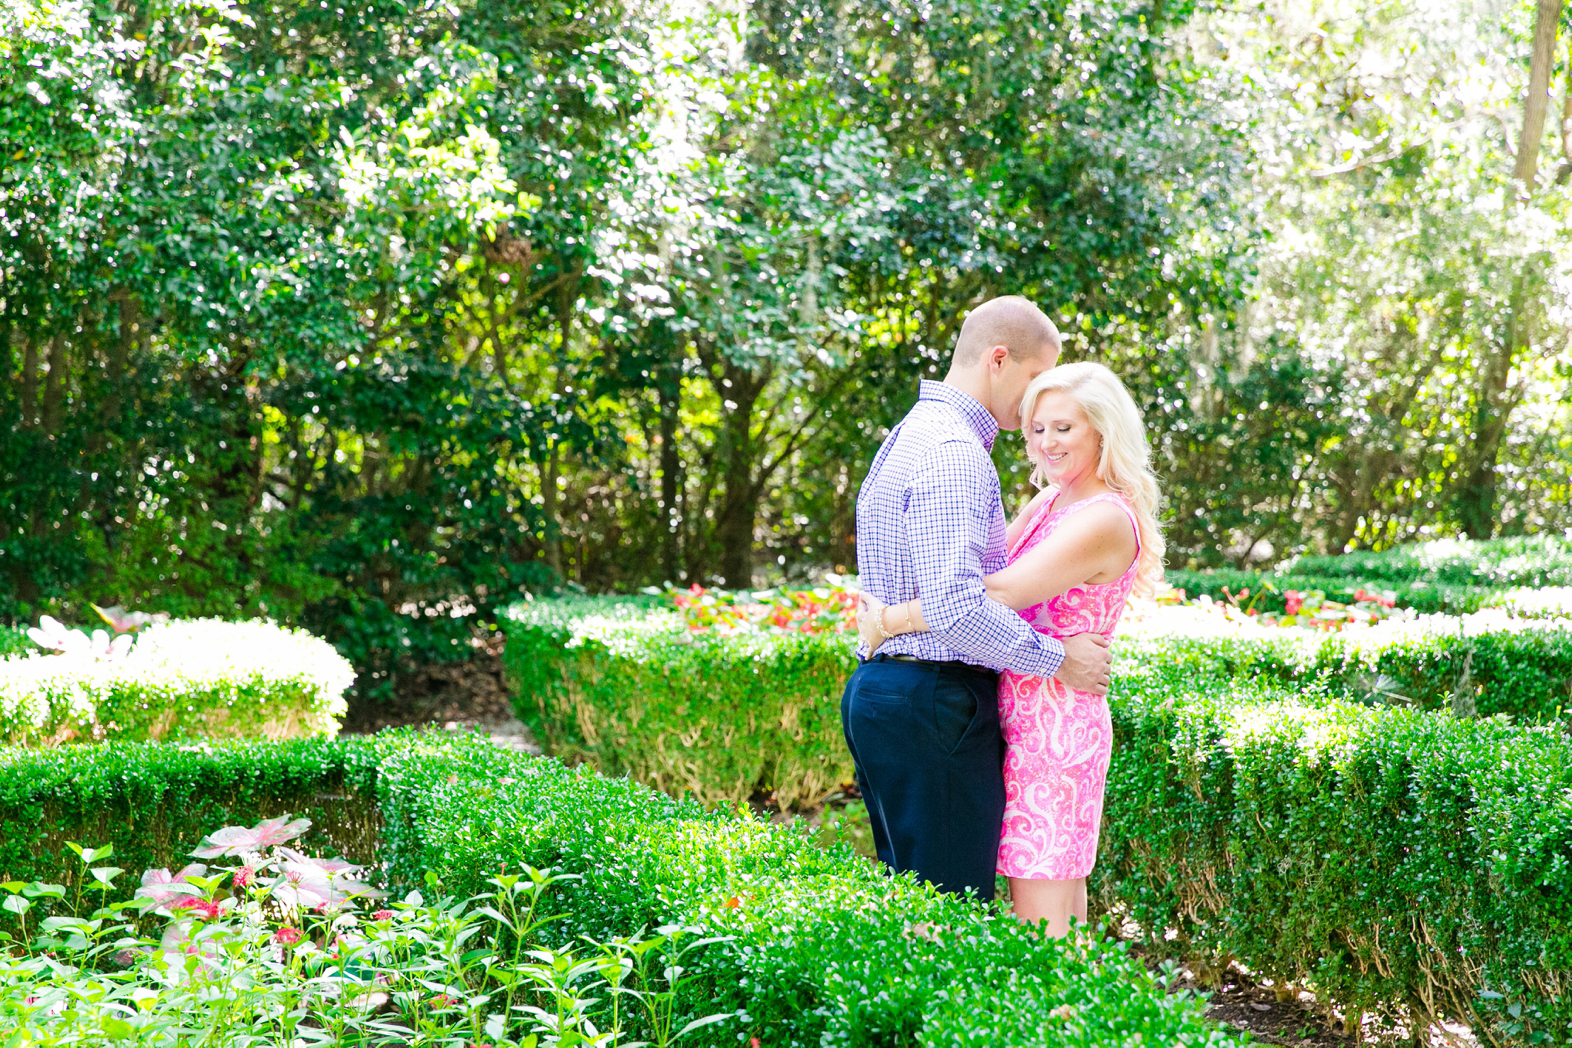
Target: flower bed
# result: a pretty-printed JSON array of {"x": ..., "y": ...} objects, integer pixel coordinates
[
  {"x": 808, "y": 947},
  {"x": 193, "y": 678}
]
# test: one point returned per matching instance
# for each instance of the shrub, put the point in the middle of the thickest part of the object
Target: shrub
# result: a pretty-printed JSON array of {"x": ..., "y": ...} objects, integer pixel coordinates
[
  {"x": 626, "y": 687},
  {"x": 1381, "y": 856},
  {"x": 825, "y": 949},
  {"x": 15, "y": 642},
  {"x": 153, "y": 802},
  {"x": 1267, "y": 589},
  {"x": 1533, "y": 560},
  {"x": 816, "y": 947},
  {"x": 195, "y": 678},
  {"x": 1488, "y": 662}
]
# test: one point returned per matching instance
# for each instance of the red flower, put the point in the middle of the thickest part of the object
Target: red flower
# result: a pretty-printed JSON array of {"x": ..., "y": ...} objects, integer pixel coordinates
[
  {"x": 382, "y": 915},
  {"x": 1293, "y": 600},
  {"x": 207, "y": 908},
  {"x": 245, "y": 876},
  {"x": 288, "y": 936}
]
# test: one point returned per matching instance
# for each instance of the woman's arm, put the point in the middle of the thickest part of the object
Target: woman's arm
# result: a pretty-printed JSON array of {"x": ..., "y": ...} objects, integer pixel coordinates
[
  {"x": 1013, "y": 530},
  {"x": 1092, "y": 545}
]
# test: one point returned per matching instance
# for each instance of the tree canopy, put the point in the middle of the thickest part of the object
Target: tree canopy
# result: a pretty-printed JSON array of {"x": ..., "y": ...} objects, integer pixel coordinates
[{"x": 373, "y": 318}]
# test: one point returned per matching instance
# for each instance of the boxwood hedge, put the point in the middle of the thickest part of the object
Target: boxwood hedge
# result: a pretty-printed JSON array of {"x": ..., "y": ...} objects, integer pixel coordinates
[
  {"x": 1485, "y": 663},
  {"x": 1255, "y": 810},
  {"x": 1528, "y": 560},
  {"x": 198, "y": 678},
  {"x": 1384, "y": 857},
  {"x": 621, "y": 685},
  {"x": 817, "y": 947}
]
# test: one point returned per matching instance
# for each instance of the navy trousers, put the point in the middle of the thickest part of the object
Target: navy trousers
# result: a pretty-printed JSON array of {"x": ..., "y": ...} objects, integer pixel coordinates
[{"x": 930, "y": 763}]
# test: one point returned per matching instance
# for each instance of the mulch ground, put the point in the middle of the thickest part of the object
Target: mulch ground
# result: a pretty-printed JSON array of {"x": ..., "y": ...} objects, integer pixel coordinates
[{"x": 459, "y": 696}]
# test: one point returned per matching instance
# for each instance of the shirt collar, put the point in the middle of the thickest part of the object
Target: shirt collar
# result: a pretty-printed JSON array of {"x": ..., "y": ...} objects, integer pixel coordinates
[{"x": 975, "y": 414}]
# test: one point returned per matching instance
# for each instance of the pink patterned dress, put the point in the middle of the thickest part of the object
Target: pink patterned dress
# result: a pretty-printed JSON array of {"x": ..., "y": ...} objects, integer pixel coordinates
[{"x": 1058, "y": 740}]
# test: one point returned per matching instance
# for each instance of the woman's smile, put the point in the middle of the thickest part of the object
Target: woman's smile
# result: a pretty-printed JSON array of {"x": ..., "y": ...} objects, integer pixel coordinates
[{"x": 1063, "y": 440}]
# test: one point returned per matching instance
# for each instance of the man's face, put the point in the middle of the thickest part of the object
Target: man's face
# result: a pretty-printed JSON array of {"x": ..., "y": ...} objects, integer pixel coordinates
[{"x": 1010, "y": 377}]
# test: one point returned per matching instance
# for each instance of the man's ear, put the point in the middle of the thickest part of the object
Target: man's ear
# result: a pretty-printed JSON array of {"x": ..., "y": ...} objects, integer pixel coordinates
[{"x": 996, "y": 358}]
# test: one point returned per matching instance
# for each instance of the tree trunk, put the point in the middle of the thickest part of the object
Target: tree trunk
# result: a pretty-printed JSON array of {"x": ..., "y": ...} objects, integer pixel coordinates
[
  {"x": 670, "y": 465},
  {"x": 1476, "y": 500},
  {"x": 739, "y": 504},
  {"x": 551, "y": 540},
  {"x": 29, "y": 381},
  {"x": 1538, "y": 100},
  {"x": 54, "y": 385}
]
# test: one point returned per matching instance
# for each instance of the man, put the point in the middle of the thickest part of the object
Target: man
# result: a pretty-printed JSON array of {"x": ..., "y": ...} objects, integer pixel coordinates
[{"x": 921, "y": 717}]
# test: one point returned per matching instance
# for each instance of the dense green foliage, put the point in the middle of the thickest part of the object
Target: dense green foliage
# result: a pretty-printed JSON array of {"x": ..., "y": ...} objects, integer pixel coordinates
[
  {"x": 627, "y": 689},
  {"x": 623, "y": 685},
  {"x": 368, "y": 321},
  {"x": 182, "y": 679},
  {"x": 1323, "y": 835},
  {"x": 1390, "y": 859},
  {"x": 1519, "y": 668},
  {"x": 15, "y": 642},
  {"x": 154, "y": 802},
  {"x": 812, "y": 939},
  {"x": 1543, "y": 560}
]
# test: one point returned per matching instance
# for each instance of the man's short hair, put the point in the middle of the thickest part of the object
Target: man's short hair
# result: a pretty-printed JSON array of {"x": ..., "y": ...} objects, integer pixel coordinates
[{"x": 1009, "y": 321}]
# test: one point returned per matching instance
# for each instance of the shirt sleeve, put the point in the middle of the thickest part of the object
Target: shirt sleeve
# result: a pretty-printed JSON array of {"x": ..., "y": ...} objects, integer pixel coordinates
[{"x": 946, "y": 519}]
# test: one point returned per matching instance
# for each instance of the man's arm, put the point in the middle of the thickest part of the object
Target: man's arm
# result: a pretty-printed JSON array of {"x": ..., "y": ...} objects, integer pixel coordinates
[{"x": 947, "y": 514}]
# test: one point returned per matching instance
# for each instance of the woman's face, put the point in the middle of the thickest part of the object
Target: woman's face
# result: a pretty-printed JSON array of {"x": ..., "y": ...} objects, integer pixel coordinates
[{"x": 1061, "y": 439}]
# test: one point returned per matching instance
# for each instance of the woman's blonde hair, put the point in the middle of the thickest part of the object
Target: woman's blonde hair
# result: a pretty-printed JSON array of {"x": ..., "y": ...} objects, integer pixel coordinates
[{"x": 1125, "y": 464}]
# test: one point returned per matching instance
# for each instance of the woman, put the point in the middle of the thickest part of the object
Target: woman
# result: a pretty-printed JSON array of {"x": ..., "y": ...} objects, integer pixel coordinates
[{"x": 1080, "y": 547}]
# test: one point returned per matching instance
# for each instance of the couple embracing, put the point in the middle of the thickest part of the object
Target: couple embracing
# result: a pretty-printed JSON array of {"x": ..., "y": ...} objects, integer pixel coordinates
[{"x": 977, "y": 716}]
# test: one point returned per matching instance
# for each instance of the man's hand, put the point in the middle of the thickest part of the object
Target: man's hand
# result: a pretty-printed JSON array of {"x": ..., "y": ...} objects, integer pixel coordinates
[
  {"x": 866, "y": 610},
  {"x": 1088, "y": 661}
]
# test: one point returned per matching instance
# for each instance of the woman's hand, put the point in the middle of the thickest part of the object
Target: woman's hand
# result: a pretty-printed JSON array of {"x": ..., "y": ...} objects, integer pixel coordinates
[{"x": 867, "y": 623}]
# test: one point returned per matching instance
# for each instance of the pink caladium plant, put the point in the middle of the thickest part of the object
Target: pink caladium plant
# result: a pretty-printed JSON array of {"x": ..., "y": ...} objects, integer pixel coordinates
[
  {"x": 241, "y": 840},
  {"x": 166, "y": 888},
  {"x": 55, "y": 635}
]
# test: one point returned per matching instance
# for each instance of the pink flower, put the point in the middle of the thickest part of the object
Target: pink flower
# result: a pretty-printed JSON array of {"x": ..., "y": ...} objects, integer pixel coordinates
[
  {"x": 1293, "y": 600},
  {"x": 382, "y": 915},
  {"x": 288, "y": 936},
  {"x": 238, "y": 840},
  {"x": 245, "y": 876},
  {"x": 317, "y": 884},
  {"x": 209, "y": 908},
  {"x": 165, "y": 888}
]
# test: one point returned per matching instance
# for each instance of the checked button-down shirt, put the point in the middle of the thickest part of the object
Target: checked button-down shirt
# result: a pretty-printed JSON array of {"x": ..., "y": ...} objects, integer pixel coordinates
[{"x": 930, "y": 523}]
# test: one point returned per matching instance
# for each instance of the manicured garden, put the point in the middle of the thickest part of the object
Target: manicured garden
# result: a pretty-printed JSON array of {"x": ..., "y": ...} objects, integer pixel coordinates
[
  {"x": 1360, "y": 800},
  {"x": 1373, "y": 810}
]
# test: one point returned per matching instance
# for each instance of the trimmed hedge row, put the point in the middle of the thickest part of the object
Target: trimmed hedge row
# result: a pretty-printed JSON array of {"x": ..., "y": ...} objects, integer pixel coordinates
[
  {"x": 200, "y": 678},
  {"x": 622, "y": 685},
  {"x": 815, "y": 947},
  {"x": 1423, "y": 597},
  {"x": 1485, "y": 663},
  {"x": 1317, "y": 839},
  {"x": 1530, "y": 560},
  {"x": 1382, "y": 856},
  {"x": 154, "y": 802}
]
